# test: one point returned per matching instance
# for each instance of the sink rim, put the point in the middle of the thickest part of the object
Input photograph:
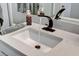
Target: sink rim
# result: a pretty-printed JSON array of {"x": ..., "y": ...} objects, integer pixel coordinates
[{"x": 37, "y": 30}]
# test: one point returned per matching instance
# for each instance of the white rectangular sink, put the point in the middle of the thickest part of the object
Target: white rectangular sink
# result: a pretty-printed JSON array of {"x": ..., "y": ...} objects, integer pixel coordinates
[{"x": 31, "y": 37}]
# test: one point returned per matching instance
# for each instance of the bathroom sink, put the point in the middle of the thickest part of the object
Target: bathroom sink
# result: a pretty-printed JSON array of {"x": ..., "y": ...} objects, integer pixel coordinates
[{"x": 33, "y": 37}]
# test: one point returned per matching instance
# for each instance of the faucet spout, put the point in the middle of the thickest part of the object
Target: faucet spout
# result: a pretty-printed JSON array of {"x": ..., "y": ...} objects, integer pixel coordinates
[
  {"x": 49, "y": 27},
  {"x": 49, "y": 19}
]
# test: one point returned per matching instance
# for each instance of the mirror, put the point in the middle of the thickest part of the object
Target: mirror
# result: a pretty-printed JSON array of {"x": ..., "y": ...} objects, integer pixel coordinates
[
  {"x": 72, "y": 9},
  {"x": 22, "y": 7},
  {"x": 19, "y": 10},
  {"x": 50, "y": 9}
]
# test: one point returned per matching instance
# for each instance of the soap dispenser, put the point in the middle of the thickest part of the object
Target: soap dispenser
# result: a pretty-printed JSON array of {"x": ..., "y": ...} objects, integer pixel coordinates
[{"x": 28, "y": 17}]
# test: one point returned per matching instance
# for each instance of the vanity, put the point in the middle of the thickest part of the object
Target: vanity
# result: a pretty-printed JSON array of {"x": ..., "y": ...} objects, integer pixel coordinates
[{"x": 67, "y": 43}]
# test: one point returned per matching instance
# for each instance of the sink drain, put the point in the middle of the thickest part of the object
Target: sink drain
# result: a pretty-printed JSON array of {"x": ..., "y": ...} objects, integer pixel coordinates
[{"x": 37, "y": 46}]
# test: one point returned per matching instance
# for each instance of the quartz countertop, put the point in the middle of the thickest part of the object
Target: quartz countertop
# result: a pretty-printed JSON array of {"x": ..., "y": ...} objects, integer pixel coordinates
[{"x": 69, "y": 46}]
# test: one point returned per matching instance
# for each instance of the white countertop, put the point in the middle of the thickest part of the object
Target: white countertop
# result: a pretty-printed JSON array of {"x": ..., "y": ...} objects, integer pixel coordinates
[{"x": 68, "y": 46}]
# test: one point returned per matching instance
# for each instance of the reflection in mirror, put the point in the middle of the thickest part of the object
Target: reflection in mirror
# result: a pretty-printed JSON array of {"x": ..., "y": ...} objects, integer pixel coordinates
[
  {"x": 75, "y": 10},
  {"x": 22, "y": 7},
  {"x": 72, "y": 9},
  {"x": 50, "y": 9},
  {"x": 19, "y": 11}
]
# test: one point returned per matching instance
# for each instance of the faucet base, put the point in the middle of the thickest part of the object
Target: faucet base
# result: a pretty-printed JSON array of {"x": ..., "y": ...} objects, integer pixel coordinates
[{"x": 48, "y": 29}]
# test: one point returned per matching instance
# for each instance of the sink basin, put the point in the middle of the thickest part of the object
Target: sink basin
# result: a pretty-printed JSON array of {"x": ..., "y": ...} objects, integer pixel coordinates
[{"x": 33, "y": 37}]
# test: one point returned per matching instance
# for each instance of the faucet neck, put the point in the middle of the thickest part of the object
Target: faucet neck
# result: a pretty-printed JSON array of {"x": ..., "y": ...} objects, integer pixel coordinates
[{"x": 49, "y": 19}]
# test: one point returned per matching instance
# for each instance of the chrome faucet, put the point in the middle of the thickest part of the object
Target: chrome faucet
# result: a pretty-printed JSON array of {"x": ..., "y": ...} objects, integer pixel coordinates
[
  {"x": 50, "y": 25},
  {"x": 59, "y": 13}
]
